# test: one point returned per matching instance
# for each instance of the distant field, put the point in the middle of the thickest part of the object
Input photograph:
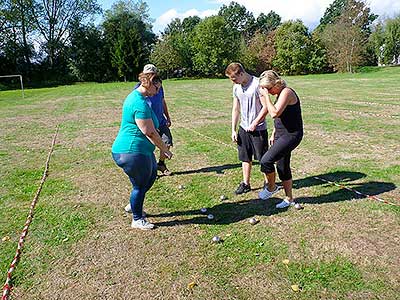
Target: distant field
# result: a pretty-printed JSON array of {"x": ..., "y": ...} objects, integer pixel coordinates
[{"x": 80, "y": 247}]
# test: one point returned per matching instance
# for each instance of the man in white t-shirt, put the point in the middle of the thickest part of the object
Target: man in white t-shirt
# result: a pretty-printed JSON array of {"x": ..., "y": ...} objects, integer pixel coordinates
[{"x": 252, "y": 137}]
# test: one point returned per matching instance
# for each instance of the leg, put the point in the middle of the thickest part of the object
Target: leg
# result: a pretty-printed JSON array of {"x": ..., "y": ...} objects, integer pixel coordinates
[
  {"x": 139, "y": 168},
  {"x": 246, "y": 168},
  {"x": 285, "y": 174}
]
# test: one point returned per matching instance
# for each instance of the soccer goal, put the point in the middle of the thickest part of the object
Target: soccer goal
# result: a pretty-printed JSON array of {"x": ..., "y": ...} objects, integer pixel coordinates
[{"x": 20, "y": 79}]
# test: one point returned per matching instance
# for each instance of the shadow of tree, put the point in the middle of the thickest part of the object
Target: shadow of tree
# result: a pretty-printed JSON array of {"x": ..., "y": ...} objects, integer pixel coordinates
[{"x": 232, "y": 212}]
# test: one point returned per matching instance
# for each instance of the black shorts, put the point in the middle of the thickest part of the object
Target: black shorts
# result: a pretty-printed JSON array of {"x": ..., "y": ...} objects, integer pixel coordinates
[
  {"x": 253, "y": 143},
  {"x": 165, "y": 135}
]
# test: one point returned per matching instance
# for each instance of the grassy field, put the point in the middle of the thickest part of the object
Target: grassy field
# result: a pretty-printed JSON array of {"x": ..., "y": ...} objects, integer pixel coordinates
[{"x": 80, "y": 246}]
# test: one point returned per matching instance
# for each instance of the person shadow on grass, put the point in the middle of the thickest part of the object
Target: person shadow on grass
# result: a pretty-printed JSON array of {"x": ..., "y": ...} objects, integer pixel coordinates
[{"x": 232, "y": 212}]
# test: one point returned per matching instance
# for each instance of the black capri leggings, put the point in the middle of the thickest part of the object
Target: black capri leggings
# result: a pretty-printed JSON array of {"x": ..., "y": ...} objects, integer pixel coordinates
[{"x": 280, "y": 153}]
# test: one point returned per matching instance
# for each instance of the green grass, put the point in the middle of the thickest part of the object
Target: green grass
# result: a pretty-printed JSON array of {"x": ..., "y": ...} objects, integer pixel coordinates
[{"x": 339, "y": 246}]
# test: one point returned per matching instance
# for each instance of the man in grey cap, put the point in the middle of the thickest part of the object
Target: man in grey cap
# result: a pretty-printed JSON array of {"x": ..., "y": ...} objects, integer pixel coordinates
[{"x": 159, "y": 106}]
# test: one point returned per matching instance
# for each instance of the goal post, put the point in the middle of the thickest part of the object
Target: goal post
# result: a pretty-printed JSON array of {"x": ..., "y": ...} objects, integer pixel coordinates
[{"x": 20, "y": 80}]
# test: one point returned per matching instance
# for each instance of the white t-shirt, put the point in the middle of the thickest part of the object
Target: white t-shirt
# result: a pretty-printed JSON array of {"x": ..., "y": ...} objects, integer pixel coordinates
[{"x": 250, "y": 104}]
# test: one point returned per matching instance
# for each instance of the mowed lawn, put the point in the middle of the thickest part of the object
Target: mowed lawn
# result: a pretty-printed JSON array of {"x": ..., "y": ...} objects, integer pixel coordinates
[{"x": 341, "y": 246}]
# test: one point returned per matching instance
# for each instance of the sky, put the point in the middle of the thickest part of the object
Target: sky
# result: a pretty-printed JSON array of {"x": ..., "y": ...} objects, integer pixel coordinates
[{"x": 309, "y": 11}]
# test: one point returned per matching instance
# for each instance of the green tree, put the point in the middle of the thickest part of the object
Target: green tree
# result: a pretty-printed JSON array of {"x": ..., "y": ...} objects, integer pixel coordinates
[
  {"x": 215, "y": 45},
  {"x": 292, "y": 44},
  {"x": 128, "y": 38},
  {"x": 54, "y": 18},
  {"x": 237, "y": 17},
  {"x": 166, "y": 56},
  {"x": 268, "y": 23},
  {"x": 259, "y": 53},
  {"x": 89, "y": 56},
  {"x": 391, "y": 51},
  {"x": 16, "y": 33},
  {"x": 178, "y": 39},
  {"x": 346, "y": 38}
]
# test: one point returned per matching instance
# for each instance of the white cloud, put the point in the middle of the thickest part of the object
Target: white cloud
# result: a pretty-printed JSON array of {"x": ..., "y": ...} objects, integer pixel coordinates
[
  {"x": 309, "y": 11},
  {"x": 163, "y": 20}
]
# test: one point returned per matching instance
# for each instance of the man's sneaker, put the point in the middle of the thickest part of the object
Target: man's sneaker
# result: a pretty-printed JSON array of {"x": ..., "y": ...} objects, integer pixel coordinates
[
  {"x": 266, "y": 194},
  {"x": 163, "y": 169},
  {"x": 243, "y": 188},
  {"x": 142, "y": 224},
  {"x": 129, "y": 210}
]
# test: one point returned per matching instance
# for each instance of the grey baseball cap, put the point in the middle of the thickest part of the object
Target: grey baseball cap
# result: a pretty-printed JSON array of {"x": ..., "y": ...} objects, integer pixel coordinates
[{"x": 149, "y": 68}]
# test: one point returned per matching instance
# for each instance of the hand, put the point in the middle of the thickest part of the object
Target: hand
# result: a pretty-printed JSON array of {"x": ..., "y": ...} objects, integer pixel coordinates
[
  {"x": 234, "y": 136},
  {"x": 168, "y": 123},
  {"x": 263, "y": 91},
  {"x": 252, "y": 127},
  {"x": 272, "y": 139},
  {"x": 168, "y": 154}
]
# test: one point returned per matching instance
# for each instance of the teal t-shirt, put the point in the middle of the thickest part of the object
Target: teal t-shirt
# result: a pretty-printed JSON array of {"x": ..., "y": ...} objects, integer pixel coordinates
[{"x": 130, "y": 139}]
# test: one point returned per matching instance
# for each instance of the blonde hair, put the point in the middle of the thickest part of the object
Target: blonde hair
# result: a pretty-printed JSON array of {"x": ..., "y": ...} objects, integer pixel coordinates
[
  {"x": 234, "y": 68},
  {"x": 146, "y": 79},
  {"x": 270, "y": 79}
]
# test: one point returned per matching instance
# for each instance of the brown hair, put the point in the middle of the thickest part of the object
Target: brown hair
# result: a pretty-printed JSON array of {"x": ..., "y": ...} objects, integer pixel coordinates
[
  {"x": 270, "y": 79},
  {"x": 234, "y": 68},
  {"x": 146, "y": 79}
]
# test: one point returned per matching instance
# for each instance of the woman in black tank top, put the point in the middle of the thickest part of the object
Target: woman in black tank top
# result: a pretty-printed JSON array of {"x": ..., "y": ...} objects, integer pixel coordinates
[{"x": 286, "y": 136}]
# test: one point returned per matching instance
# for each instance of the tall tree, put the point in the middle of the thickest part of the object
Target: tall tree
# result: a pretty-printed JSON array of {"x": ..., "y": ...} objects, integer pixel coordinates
[
  {"x": 346, "y": 38},
  {"x": 215, "y": 45},
  {"x": 16, "y": 28},
  {"x": 179, "y": 37},
  {"x": 268, "y": 23},
  {"x": 54, "y": 17},
  {"x": 292, "y": 44},
  {"x": 259, "y": 53},
  {"x": 129, "y": 39},
  {"x": 237, "y": 17},
  {"x": 89, "y": 56},
  {"x": 392, "y": 41}
]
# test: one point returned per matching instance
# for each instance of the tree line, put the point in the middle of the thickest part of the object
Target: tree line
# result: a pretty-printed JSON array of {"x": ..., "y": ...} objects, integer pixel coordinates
[{"x": 54, "y": 41}]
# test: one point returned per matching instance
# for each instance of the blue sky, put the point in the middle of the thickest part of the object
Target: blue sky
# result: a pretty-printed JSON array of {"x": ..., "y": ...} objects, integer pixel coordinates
[{"x": 309, "y": 11}]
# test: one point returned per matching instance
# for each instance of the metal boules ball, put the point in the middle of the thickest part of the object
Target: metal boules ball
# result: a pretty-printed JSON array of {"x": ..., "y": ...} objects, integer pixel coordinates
[
  {"x": 181, "y": 186},
  {"x": 216, "y": 239},
  {"x": 222, "y": 197},
  {"x": 253, "y": 221},
  {"x": 210, "y": 216},
  {"x": 203, "y": 210}
]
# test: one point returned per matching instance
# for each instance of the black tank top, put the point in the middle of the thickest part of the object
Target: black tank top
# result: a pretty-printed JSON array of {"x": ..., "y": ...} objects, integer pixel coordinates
[{"x": 291, "y": 117}]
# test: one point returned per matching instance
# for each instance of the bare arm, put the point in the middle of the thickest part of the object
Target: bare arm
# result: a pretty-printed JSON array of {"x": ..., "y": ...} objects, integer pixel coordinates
[
  {"x": 146, "y": 126},
  {"x": 261, "y": 115},
  {"x": 235, "y": 118},
  {"x": 284, "y": 98},
  {"x": 166, "y": 113}
]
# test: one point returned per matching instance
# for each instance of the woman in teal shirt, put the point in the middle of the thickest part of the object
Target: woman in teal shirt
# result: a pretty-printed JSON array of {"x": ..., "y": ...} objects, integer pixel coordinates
[{"x": 135, "y": 143}]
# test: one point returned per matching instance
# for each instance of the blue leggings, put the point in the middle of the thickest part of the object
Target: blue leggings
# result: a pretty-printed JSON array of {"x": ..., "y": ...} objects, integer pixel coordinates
[{"x": 142, "y": 171}]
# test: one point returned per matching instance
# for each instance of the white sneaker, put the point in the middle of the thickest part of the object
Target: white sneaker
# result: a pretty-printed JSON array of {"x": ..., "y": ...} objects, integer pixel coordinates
[
  {"x": 266, "y": 194},
  {"x": 128, "y": 209},
  {"x": 142, "y": 224},
  {"x": 286, "y": 203}
]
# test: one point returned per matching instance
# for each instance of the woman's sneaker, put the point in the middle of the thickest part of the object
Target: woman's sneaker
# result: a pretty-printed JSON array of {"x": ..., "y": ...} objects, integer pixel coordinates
[
  {"x": 266, "y": 194},
  {"x": 129, "y": 210},
  {"x": 286, "y": 203},
  {"x": 142, "y": 224}
]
